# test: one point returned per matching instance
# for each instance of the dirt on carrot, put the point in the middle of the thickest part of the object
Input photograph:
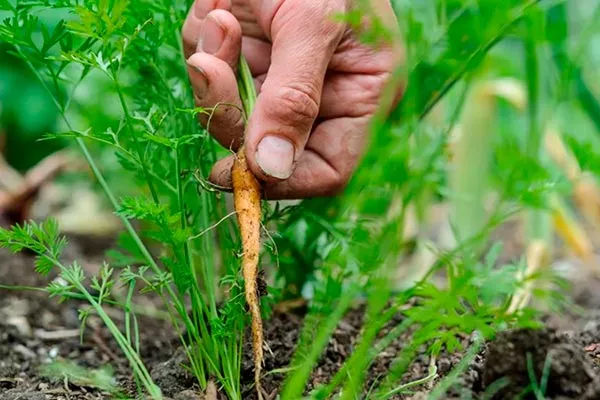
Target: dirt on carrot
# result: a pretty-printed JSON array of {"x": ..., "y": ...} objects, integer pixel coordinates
[{"x": 246, "y": 197}]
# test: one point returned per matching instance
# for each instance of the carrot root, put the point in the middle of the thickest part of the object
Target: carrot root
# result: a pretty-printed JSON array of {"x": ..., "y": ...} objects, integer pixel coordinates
[{"x": 246, "y": 198}]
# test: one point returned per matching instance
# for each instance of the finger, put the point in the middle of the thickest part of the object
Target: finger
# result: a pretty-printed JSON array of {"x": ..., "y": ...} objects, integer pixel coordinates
[
  {"x": 221, "y": 36},
  {"x": 324, "y": 168},
  {"x": 351, "y": 95},
  {"x": 382, "y": 60},
  {"x": 328, "y": 162},
  {"x": 258, "y": 55},
  {"x": 247, "y": 18},
  {"x": 212, "y": 75},
  {"x": 289, "y": 101},
  {"x": 215, "y": 88},
  {"x": 220, "y": 175},
  {"x": 191, "y": 27},
  {"x": 258, "y": 82},
  {"x": 313, "y": 177}
]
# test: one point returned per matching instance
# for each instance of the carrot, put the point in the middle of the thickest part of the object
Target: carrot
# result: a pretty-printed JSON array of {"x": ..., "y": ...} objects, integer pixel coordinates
[{"x": 246, "y": 199}]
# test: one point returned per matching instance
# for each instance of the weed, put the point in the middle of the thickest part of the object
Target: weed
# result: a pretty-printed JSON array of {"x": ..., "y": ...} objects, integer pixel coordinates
[{"x": 101, "y": 378}]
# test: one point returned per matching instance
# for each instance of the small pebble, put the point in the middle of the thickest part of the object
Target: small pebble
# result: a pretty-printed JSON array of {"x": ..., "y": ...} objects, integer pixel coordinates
[
  {"x": 24, "y": 351},
  {"x": 21, "y": 324},
  {"x": 48, "y": 319},
  {"x": 16, "y": 307}
]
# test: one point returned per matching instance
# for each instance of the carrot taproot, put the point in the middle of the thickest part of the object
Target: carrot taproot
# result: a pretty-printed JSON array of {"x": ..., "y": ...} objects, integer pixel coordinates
[{"x": 246, "y": 198}]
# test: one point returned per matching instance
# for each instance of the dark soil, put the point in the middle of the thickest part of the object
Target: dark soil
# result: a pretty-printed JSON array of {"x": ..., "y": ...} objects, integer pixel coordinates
[
  {"x": 35, "y": 330},
  {"x": 520, "y": 357}
]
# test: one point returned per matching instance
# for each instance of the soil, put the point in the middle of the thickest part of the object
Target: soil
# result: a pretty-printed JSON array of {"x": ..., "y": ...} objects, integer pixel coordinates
[{"x": 35, "y": 330}]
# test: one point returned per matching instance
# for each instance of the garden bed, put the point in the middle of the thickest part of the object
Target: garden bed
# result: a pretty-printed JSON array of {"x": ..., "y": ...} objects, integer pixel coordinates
[{"x": 35, "y": 330}]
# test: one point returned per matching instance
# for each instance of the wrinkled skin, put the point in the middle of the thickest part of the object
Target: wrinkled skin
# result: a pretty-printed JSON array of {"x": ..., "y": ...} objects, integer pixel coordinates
[{"x": 318, "y": 88}]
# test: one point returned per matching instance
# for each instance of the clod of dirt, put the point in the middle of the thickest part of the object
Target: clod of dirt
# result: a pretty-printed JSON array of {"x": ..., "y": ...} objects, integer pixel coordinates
[
  {"x": 570, "y": 372},
  {"x": 172, "y": 376},
  {"x": 211, "y": 393},
  {"x": 590, "y": 332}
]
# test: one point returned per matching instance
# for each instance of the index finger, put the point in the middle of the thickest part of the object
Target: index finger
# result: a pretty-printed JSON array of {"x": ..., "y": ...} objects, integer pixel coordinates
[{"x": 190, "y": 32}]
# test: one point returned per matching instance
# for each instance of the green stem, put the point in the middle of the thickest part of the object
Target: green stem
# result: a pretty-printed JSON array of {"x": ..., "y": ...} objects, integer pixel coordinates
[
  {"x": 570, "y": 64},
  {"x": 400, "y": 365},
  {"x": 538, "y": 222},
  {"x": 183, "y": 222},
  {"x": 107, "y": 190},
  {"x": 442, "y": 387},
  {"x": 208, "y": 257},
  {"x": 246, "y": 87},
  {"x": 128, "y": 310},
  {"x": 468, "y": 184},
  {"x": 129, "y": 352},
  {"x": 295, "y": 384},
  {"x": 113, "y": 201},
  {"x": 534, "y": 138},
  {"x": 138, "y": 148},
  {"x": 131, "y": 355},
  {"x": 431, "y": 375}
]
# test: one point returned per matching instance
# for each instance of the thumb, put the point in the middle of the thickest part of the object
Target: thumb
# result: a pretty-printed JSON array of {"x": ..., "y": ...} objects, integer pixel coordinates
[{"x": 304, "y": 38}]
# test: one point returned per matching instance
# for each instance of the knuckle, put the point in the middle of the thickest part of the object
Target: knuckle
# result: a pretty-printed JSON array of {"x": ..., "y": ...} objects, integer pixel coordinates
[
  {"x": 297, "y": 105},
  {"x": 370, "y": 91},
  {"x": 375, "y": 84},
  {"x": 380, "y": 81},
  {"x": 287, "y": 14},
  {"x": 374, "y": 90}
]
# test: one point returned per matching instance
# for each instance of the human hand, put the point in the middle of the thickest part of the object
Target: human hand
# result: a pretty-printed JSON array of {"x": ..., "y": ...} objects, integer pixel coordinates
[{"x": 318, "y": 88}]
